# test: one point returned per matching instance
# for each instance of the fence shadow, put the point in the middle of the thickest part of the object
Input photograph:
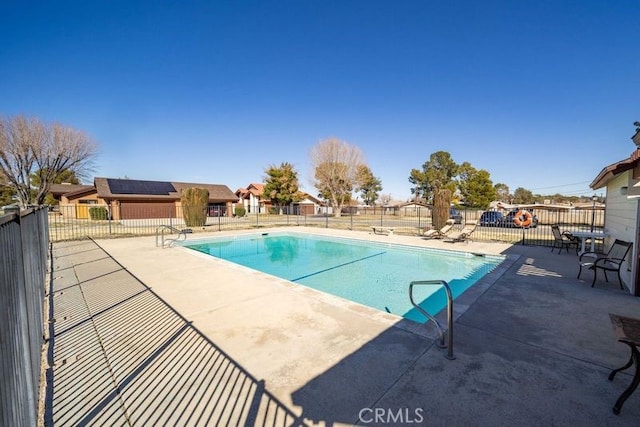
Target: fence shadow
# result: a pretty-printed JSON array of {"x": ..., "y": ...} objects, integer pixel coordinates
[{"x": 117, "y": 354}]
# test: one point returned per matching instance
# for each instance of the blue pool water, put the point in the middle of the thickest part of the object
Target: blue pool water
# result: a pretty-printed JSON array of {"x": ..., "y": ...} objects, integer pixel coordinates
[{"x": 370, "y": 273}]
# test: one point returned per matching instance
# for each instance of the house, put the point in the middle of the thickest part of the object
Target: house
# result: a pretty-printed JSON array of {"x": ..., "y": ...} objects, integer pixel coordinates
[
  {"x": 309, "y": 205},
  {"x": 74, "y": 201},
  {"x": 59, "y": 192},
  {"x": 622, "y": 210},
  {"x": 253, "y": 201},
  {"x": 251, "y": 198},
  {"x": 412, "y": 208},
  {"x": 137, "y": 199}
]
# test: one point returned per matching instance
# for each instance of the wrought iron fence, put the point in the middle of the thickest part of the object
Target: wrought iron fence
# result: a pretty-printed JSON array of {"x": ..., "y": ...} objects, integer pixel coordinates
[
  {"x": 23, "y": 267},
  {"x": 65, "y": 225}
]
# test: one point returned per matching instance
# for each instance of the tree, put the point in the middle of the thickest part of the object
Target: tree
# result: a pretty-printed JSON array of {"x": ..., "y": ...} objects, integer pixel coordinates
[
  {"x": 476, "y": 186},
  {"x": 281, "y": 184},
  {"x": 31, "y": 150},
  {"x": 66, "y": 176},
  {"x": 437, "y": 173},
  {"x": 335, "y": 164},
  {"x": 7, "y": 194},
  {"x": 521, "y": 196},
  {"x": 502, "y": 192},
  {"x": 385, "y": 199},
  {"x": 368, "y": 185}
]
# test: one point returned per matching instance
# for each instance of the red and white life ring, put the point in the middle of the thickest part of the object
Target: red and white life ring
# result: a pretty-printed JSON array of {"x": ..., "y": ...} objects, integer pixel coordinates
[{"x": 523, "y": 218}]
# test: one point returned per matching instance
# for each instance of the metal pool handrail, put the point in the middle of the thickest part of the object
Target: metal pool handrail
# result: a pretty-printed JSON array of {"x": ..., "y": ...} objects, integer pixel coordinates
[
  {"x": 443, "y": 283},
  {"x": 160, "y": 233}
]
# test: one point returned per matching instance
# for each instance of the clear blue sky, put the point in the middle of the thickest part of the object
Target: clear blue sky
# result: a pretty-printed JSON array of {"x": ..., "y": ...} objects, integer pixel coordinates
[{"x": 542, "y": 94}]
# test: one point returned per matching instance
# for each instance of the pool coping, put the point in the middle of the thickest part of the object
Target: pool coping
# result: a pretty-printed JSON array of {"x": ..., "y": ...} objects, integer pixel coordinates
[{"x": 427, "y": 329}]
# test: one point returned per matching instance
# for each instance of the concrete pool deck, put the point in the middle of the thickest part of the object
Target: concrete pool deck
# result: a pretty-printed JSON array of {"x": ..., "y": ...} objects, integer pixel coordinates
[{"x": 144, "y": 334}]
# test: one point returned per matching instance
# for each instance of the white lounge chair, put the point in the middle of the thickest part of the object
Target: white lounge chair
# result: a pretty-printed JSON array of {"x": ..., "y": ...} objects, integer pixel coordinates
[
  {"x": 439, "y": 234},
  {"x": 464, "y": 234}
]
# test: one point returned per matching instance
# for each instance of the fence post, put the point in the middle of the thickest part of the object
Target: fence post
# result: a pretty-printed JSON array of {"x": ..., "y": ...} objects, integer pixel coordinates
[
  {"x": 109, "y": 218},
  {"x": 351, "y": 218},
  {"x": 326, "y": 217}
]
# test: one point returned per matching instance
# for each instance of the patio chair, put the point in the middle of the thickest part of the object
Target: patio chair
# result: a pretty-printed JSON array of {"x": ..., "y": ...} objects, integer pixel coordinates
[
  {"x": 439, "y": 234},
  {"x": 464, "y": 234},
  {"x": 563, "y": 239},
  {"x": 610, "y": 261}
]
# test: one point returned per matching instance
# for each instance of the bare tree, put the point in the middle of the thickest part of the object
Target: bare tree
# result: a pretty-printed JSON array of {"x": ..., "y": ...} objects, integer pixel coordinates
[
  {"x": 335, "y": 164},
  {"x": 32, "y": 149},
  {"x": 385, "y": 199}
]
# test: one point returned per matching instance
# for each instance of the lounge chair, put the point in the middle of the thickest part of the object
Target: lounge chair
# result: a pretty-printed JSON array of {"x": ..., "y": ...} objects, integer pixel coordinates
[
  {"x": 464, "y": 234},
  {"x": 439, "y": 234},
  {"x": 610, "y": 261},
  {"x": 563, "y": 239}
]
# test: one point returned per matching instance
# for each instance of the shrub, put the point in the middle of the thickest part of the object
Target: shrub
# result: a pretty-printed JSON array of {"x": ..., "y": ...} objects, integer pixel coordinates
[
  {"x": 194, "y": 206},
  {"x": 239, "y": 211},
  {"x": 98, "y": 213},
  {"x": 441, "y": 206}
]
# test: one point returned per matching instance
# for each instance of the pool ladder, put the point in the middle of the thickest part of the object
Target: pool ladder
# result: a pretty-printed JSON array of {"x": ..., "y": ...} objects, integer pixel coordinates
[
  {"x": 441, "y": 344},
  {"x": 160, "y": 236}
]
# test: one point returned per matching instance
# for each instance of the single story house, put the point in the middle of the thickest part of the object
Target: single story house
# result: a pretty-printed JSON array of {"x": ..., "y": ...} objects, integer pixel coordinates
[
  {"x": 412, "y": 208},
  {"x": 622, "y": 210},
  {"x": 59, "y": 192},
  {"x": 309, "y": 205},
  {"x": 137, "y": 199}
]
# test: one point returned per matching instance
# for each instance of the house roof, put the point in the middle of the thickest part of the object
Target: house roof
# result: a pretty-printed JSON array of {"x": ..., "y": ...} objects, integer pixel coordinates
[
  {"x": 609, "y": 172},
  {"x": 242, "y": 192},
  {"x": 313, "y": 199},
  {"x": 407, "y": 204},
  {"x": 63, "y": 189},
  {"x": 256, "y": 189},
  {"x": 128, "y": 189}
]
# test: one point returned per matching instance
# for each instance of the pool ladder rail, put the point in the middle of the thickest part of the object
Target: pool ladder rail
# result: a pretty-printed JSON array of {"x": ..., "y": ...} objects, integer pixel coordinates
[
  {"x": 168, "y": 242},
  {"x": 441, "y": 344}
]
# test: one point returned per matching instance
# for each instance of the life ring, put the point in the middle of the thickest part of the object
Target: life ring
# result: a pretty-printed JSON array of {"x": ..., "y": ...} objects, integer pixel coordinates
[{"x": 523, "y": 218}]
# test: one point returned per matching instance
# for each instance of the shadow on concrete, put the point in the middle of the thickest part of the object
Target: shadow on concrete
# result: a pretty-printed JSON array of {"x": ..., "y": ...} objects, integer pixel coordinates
[
  {"x": 534, "y": 347},
  {"x": 118, "y": 354},
  {"x": 353, "y": 386}
]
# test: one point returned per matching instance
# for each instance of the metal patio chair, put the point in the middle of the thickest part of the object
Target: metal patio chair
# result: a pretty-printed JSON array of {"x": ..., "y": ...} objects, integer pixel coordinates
[
  {"x": 563, "y": 239},
  {"x": 610, "y": 261}
]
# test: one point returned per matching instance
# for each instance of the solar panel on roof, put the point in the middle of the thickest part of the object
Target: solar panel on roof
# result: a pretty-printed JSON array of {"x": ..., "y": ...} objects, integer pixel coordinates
[{"x": 132, "y": 186}]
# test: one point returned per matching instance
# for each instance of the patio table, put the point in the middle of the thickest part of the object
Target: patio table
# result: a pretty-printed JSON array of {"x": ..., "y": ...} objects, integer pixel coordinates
[
  {"x": 592, "y": 235},
  {"x": 627, "y": 331}
]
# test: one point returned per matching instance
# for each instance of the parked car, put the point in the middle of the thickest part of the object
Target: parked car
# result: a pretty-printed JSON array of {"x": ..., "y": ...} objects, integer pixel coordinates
[
  {"x": 508, "y": 220},
  {"x": 491, "y": 218},
  {"x": 455, "y": 215}
]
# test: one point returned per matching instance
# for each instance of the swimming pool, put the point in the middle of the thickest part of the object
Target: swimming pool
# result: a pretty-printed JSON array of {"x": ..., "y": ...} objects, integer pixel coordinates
[{"x": 370, "y": 273}]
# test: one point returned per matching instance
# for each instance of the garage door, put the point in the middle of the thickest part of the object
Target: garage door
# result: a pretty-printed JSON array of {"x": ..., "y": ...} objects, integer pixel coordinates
[
  {"x": 144, "y": 210},
  {"x": 306, "y": 209}
]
